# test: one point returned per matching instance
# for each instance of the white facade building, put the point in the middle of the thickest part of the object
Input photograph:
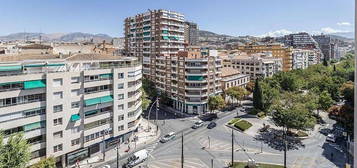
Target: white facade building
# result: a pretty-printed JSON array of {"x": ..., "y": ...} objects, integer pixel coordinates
[
  {"x": 300, "y": 58},
  {"x": 67, "y": 107}
]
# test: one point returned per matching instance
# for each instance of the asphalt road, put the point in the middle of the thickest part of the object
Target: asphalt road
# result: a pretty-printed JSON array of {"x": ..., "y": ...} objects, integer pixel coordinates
[{"x": 217, "y": 142}]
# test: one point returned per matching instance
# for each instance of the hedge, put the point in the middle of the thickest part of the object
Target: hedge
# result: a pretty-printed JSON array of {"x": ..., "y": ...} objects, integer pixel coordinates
[{"x": 243, "y": 125}]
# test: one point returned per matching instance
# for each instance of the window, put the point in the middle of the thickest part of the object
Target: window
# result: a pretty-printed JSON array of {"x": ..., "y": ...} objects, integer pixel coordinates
[
  {"x": 75, "y": 129},
  {"x": 57, "y": 82},
  {"x": 57, "y": 108},
  {"x": 121, "y": 107},
  {"x": 121, "y": 117},
  {"x": 75, "y": 104},
  {"x": 58, "y": 134},
  {"x": 121, "y": 128},
  {"x": 75, "y": 92},
  {"x": 75, "y": 142},
  {"x": 75, "y": 80},
  {"x": 57, "y": 95},
  {"x": 120, "y": 96},
  {"x": 120, "y": 75},
  {"x": 58, "y": 148},
  {"x": 57, "y": 121},
  {"x": 121, "y": 86}
]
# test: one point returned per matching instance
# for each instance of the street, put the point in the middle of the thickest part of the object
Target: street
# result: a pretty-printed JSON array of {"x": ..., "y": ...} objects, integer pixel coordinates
[{"x": 217, "y": 146}]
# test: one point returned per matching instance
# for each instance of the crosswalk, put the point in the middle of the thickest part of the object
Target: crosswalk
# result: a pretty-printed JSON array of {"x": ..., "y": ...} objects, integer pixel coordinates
[
  {"x": 173, "y": 163},
  {"x": 151, "y": 147}
]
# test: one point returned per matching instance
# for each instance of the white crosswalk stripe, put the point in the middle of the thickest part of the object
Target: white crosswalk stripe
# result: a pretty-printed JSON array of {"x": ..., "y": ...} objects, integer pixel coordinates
[
  {"x": 173, "y": 163},
  {"x": 152, "y": 147}
]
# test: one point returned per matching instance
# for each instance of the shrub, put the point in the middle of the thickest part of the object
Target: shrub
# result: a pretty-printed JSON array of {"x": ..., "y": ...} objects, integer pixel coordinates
[
  {"x": 243, "y": 125},
  {"x": 254, "y": 111},
  {"x": 261, "y": 114},
  {"x": 301, "y": 134},
  {"x": 234, "y": 120}
]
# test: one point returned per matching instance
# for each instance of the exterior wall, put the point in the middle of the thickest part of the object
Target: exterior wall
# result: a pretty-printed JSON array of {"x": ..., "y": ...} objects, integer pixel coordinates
[
  {"x": 235, "y": 80},
  {"x": 75, "y": 129},
  {"x": 300, "y": 59},
  {"x": 277, "y": 50}
]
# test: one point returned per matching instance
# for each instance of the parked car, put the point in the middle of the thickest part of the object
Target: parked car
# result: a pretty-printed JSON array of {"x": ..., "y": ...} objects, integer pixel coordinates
[
  {"x": 106, "y": 166},
  {"x": 168, "y": 137},
  {"x": 211, "y": 125},
  {"x": 331, "y": 138},
  {"x": 209, "y": 117},
  {"x": 197, "y": 124},
  {"x": 137, "y": 158}
]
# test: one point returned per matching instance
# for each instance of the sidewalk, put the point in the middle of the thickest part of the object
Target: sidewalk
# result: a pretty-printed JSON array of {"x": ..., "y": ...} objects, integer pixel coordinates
[{"x": 143, "y": 138}]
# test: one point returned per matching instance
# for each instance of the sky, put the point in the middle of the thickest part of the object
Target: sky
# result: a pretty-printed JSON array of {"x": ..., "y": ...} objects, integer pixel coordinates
[{"x": 231, "y": 17}]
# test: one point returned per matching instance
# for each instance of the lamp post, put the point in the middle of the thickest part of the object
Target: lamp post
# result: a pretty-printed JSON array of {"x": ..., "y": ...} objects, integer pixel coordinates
[
  {"x": 152, "y": 105},
  {"x": 209, "y": 142},
  {"x": 117, "y": 148}
]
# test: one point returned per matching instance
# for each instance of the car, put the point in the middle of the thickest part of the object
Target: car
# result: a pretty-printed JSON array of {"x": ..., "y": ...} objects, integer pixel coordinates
[
  {"x": 209, "y": 117},
  {"x": 211, "y": 125},
  {"x": 106, "y": 166},
  {"x": 137, "y": 158},
  {"x": 325, "y": 131},
  {"x": 331, "y": 138},
  {"x": 197, "y": 124},
  {"x": 168, "y": 137}
]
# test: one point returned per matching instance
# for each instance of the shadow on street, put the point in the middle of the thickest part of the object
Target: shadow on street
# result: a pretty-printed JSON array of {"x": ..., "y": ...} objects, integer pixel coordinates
[{"x": 274, "y": 139}]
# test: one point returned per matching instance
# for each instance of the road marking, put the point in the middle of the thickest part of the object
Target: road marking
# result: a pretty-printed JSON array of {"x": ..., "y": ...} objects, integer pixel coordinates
[{"x": 173, "y": 163}]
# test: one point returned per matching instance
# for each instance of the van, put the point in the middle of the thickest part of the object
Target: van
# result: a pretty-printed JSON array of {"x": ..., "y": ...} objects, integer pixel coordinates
[{"x": 137, "y": 158}]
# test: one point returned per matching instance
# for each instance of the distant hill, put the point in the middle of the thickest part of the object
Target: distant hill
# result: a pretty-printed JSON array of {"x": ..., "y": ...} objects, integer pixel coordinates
[
  {"x": 57, "y": 37},
  {"x": 347, "y": 35}
]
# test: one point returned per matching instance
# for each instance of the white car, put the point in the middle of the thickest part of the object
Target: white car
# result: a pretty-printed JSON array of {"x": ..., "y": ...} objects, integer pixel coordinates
[
  {"x": 168, "y": 137},
  {"x": 331, "y": 138},
  {"x": 197, "y": 124},
  {"x": 106, "y": 166}
]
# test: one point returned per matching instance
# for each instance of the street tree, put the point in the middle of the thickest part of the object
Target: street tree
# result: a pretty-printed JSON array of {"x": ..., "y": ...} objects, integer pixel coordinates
[
  {"x": 145, "y": 100},
  {"x": 149, "y": 88},
  {"x": 215, "y": 103},
  {"x": 257, "y": 96},
  {"x": 270, "y": 94},
  {"x": 15, "y": 153},
  {"x": 347, "y": 91},
  {"x": 49, "y": 162},
  {"x": 250, "y": 86},
  {"x": 325, "y": 101}
]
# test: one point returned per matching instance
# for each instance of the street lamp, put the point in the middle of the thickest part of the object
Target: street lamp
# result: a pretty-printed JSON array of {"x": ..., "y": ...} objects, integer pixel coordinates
[
  {"x": 152, "y": 105},
  {"x": 118, "y": 155},
  {"x": 209, "y": 142}
]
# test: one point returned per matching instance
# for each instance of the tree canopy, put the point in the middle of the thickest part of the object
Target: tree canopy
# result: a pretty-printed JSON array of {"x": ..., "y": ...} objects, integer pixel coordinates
[
  {"x": 15, "y": 153},
  {"x": 215, "y": 103}
]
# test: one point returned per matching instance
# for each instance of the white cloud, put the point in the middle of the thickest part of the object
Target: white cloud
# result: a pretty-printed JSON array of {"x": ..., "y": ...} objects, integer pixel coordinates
[
  {"x": 344, "y": 24},
  {"x": 329, "y": 30},
  {"x": 277, "y": 33}
]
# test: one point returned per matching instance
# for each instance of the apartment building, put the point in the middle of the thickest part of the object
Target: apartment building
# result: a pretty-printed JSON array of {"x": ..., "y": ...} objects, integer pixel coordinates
[
  {"x": 191, "y": 33},
  {"x": 70, "y": 108},
  {"x": 300, "y": 58},
  {"x": 152, "y": 36},
  {"x": 259, "y": 65},
  {"x": 300, "y": 40},
  {"x": 326, "y": 45},
  {"x": 277, "y": 50},
  {"x": 195, "y": 75},
  {"x": 232, "y": 77}
]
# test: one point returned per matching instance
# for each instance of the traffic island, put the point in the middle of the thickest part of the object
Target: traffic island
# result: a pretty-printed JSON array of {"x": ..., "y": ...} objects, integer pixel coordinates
[
  {"x": 260, "y": 165},
  {"x": 239, "y": 124}
]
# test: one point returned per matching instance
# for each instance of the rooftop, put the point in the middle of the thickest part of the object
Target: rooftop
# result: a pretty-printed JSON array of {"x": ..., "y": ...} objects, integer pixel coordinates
[
  {"x": 75, "y": 57},
  {"x": 229, "y": 71}
]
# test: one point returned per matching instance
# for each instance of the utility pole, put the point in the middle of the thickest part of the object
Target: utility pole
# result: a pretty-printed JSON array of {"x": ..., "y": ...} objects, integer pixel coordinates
[
  {"x": 285, "y": 146},
  {"x": 157, "y": 108},
  {"x": 232, "y": 148},
  {"x": 211, "y": 163},
  {"x": 118, "y": 154},
  {"x": 182, "y": 151},
  {"x": 209, "y": 142}
]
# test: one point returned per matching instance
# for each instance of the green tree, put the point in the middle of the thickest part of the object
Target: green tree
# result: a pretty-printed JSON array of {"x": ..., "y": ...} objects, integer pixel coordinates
[
  {"x": 145, "y": 100},
  {"x": 325, "y": 101},
  {"x": 347, "y": 91},
  {"x": 290, "y": 113},
  {"x": 149, "y": 88},
  {"x": 165, "y": 99},
  {"x": 257, "y": 96},
  {"x": 325, "y": 63},
  {"x": 16, "y": 152},
  {"x": 49, "y": 162},
  {"x": 270, "y": 94},
  {"x": 250, "y": 86},
  {"x": 215, "y": 103}
]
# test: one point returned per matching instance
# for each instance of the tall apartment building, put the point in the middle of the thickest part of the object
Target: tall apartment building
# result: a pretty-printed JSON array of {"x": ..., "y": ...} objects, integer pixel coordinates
[
  {"x": 191, "y": 33},
  {"x": 326, "y": 45},
  {"x": 195, "y": 75},
  {"x": 300, "y": 58},
  {"x": 70, "y": 108},
  {"x": 153, "y": 36},
  {"x": 277, "y": 50},
  {"x": 301, "y": 40},
  {"x": 256, "y": 65}
]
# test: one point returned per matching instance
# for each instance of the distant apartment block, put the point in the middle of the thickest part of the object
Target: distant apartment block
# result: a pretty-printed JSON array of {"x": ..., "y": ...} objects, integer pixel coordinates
[
  {"x": 300, "y": 58},
  {"x": 301, "y": 40},
  {"x": 277, "y": 50},
  {"x": 259, "y": 65},
  {"x": 231, "y": 77},
  {"x": 326, "y": 45},
  {"x": 191, "y": 33},
  {"x": 70, "y": 108}
]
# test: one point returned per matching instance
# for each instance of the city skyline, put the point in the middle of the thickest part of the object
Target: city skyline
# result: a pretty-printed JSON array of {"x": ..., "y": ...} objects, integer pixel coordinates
[{"x": 235, "y": 17}]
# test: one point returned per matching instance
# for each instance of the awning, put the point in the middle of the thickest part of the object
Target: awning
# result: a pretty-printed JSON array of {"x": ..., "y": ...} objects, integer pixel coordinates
[
  {"x": 106, "y": 99},
  {"x": 55, "y": 64},
  {"x": 9, "y": 83},
  {"x": 165, "y": 31},
  {"x": 75, "y": 117},
  {"x": 34, "y": 65},
  {"x": 87, "y": 113},
  {"x": 32, "y": 126},
  {"x": 165, "y": 37},
  {"x": 34, "y": 84},
  {"x": 195, "y": 78},
  {"x": 106, "y": 75},
  {"x": 98, "y": 100},
  {"x": 10, "y": 68}
]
